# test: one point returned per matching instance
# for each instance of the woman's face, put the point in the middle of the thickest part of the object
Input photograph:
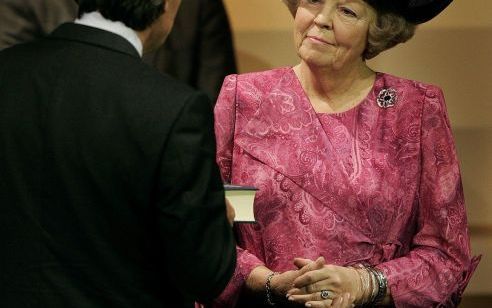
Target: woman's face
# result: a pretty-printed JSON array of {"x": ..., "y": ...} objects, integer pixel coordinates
[{"x": 332, "y": 33}]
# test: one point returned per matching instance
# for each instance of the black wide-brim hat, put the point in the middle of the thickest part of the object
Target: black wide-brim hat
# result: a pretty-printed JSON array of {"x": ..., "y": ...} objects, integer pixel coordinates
[{"x": 415, "y": 11}]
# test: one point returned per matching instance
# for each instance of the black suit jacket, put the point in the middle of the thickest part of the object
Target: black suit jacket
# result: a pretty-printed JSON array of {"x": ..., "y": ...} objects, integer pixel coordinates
[{"x": 109, "y": 191}]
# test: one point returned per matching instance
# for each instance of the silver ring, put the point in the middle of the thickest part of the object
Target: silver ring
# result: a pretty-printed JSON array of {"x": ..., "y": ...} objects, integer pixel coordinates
[{"x": 325, "y": 294}]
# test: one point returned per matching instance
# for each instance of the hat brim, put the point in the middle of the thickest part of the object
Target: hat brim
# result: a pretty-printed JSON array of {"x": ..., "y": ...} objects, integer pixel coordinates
[
  {"x": 425, "y": 10},
  {"x": 414, "y": 11}
]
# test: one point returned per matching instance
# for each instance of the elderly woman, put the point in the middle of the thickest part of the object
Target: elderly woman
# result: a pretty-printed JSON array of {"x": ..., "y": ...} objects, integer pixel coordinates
[{"x": 356, "y": 166}]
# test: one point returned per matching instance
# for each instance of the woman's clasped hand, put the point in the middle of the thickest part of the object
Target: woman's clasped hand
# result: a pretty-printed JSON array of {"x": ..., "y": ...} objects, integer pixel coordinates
[
  {"x": 328, "y": 286},
  {"x": 317, "y": 284}
]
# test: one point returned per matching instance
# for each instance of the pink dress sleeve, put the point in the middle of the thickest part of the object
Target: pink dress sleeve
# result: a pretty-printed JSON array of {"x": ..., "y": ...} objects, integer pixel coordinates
[
  {"x": 440, "y": 256},
  {"x": 225, "y": 122}
]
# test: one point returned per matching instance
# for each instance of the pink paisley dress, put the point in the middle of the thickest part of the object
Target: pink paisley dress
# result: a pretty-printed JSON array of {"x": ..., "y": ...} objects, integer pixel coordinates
[{"x": 378, "y": 184}]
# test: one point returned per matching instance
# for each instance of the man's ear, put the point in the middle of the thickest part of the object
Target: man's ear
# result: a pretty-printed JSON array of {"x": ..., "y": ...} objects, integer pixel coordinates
[
  {"x": 161, "y": 2},
  {"x": 157, "y": 3},
  {"x": 166, "y": 4}
]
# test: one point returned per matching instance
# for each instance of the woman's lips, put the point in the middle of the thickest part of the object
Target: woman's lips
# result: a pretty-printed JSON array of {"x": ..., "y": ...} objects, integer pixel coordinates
[{"x": 318, "y": 40}]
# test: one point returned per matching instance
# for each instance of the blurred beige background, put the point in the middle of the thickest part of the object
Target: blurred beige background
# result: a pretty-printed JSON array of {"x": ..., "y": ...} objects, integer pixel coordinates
[{"x": 453, "y": 51}]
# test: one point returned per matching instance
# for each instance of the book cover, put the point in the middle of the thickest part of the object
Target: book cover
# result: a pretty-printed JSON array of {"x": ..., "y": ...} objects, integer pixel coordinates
[{"x": 242, "y": 200}]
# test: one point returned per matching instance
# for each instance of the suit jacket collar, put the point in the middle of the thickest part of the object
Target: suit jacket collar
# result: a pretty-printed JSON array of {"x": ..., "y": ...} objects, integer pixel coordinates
[{"x": 94, "y": 36}]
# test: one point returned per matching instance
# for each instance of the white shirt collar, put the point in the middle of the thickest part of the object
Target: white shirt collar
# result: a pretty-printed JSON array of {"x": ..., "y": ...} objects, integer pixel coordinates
[{"x": 96, "y": 20}]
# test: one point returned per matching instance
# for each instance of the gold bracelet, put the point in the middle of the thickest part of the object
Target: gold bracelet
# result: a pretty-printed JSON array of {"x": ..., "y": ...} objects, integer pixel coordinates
[{"x": 363, "y": 286}]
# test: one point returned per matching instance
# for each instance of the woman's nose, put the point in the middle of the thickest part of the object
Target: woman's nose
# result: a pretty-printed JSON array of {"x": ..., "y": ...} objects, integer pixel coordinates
[{"x": 324, "y": 18}]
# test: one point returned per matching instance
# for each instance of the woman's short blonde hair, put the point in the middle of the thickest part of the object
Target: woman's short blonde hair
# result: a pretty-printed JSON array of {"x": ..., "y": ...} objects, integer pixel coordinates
[{"x": 386, "y": 31}]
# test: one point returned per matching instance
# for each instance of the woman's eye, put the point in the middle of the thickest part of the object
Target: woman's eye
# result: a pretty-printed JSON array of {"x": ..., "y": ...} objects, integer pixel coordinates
[
  {"x": 310, "y": 3},
  {"x": 313, "y": 1},
  {"x": 348, "y": 12}
]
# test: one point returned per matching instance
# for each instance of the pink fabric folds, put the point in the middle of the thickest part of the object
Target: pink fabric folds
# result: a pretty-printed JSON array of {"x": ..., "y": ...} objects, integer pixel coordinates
[{"x": 378, "y": 184}]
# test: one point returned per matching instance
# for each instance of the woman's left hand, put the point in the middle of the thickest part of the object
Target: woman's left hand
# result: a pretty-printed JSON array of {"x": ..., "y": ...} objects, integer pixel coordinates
[{"x": 330, "y": 286}]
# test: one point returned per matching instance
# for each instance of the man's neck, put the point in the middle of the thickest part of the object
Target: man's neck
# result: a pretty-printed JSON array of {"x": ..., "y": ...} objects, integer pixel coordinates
[{"x": 96, "y": 20}]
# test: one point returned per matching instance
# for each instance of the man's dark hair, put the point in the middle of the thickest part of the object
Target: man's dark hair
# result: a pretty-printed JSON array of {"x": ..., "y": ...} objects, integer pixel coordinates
[{"x": 135, "y": 14}]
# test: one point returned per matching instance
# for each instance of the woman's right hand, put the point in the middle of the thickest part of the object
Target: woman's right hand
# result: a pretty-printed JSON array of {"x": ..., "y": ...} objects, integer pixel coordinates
[
  {"x": 279, "y": 283},
  {"x": 338, "y": 281}
]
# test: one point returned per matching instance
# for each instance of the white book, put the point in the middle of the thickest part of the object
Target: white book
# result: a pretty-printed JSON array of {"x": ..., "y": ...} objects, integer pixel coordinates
[{"x": 242, "y": 199}]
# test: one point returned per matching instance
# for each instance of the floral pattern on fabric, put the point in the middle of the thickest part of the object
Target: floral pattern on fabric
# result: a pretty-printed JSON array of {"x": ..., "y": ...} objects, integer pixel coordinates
[{"x": 371, "y": 185}]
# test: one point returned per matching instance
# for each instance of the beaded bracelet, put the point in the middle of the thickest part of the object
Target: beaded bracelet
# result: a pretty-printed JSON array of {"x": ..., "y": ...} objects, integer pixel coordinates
[{"x": 268, "y": 288}]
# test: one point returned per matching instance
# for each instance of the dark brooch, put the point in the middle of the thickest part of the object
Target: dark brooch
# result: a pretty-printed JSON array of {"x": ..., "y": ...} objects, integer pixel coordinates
[{"x": 387, "y": 98}]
